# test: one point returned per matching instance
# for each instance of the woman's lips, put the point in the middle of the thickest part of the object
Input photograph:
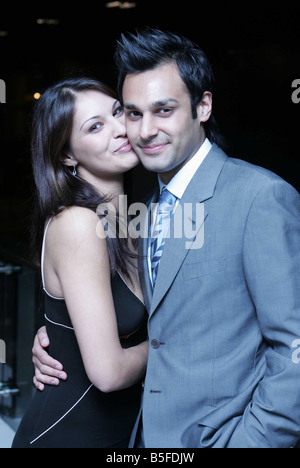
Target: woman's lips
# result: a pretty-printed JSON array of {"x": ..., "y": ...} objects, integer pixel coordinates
[{"x": 125, "y": 148}]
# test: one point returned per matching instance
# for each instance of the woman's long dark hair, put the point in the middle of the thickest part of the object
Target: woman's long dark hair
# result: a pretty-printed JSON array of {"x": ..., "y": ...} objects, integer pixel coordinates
[{"x": 56, "y": 186}]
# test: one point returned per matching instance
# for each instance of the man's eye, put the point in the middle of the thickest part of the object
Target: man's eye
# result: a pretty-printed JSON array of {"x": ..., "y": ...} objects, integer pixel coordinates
[
  {"x": 133, "y": 115},
  {"x": 165, "y": 111}
]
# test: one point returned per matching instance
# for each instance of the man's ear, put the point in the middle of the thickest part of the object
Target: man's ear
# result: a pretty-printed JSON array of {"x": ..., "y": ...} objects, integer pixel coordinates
[{"x": 204, "y": 108}]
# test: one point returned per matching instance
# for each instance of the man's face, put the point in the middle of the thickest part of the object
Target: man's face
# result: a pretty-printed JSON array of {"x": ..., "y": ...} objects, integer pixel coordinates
[{"x": 159, "y": 119}]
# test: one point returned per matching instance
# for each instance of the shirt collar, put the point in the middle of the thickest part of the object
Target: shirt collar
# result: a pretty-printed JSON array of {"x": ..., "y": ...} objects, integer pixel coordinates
[{"x": 181, "y": 180}]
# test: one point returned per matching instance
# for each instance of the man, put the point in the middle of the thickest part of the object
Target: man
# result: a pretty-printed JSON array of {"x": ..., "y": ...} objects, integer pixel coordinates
[{"x": 224, "y": 315}]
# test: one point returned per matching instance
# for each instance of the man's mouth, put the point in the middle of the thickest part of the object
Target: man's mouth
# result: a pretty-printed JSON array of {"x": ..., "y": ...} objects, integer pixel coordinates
[{"x": 153, "y": 149}]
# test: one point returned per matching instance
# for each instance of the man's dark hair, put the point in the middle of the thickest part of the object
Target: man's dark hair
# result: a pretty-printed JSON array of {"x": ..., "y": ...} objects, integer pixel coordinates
[{"x": 150, "y": 48}]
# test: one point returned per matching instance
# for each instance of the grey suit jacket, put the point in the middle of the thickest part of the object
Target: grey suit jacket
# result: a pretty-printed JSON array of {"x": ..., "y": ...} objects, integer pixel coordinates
[{"x": 224, "y": 319}]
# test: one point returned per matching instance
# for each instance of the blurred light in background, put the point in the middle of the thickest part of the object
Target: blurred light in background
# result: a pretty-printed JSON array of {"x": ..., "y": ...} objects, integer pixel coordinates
[
  {"x": 49, "y": 21},
  {"x": 121, "y": 5}
]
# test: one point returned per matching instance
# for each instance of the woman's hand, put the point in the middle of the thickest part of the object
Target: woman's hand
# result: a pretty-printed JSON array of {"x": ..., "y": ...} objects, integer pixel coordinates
[{"x": 48, "y": 371}]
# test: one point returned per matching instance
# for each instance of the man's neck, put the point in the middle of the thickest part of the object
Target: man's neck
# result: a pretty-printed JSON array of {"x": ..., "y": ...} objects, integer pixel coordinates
[{"x": 166, "y": 177}]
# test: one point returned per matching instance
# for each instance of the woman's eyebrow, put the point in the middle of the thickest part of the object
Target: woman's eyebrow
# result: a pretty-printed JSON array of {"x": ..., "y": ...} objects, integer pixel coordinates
[
  {"x": 115, "y": 105},
  {"x": 92, "y": 118}
]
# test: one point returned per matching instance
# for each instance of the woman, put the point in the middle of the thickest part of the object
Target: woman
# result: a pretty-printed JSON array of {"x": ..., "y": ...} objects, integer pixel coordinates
[{"x": 95, "y": 317}]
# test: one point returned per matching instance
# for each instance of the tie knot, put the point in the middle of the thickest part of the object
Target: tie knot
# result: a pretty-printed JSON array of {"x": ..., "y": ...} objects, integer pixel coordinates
[{"x": 167, "y": 197}]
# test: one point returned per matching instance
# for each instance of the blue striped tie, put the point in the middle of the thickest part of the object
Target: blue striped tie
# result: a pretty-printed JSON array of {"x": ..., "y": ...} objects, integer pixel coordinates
[{"x": 166, "y": 205}]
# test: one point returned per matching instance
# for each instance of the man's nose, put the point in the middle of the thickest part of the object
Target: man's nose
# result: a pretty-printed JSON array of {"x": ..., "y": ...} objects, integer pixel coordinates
[{"x": 148, "y": 128}]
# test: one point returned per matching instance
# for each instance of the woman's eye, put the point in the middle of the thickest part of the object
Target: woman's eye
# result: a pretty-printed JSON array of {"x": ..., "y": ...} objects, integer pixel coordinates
[
  {"x": 118, "y": 112},
  {"x": 96, "y": 127}
]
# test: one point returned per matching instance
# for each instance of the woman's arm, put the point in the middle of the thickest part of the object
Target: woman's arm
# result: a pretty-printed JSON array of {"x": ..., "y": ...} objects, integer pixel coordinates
[{"x": 81, "y": 263}]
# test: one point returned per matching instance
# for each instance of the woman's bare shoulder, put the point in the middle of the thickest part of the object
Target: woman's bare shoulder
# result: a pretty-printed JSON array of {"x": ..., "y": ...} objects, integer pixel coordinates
[{"x": 76, "y": 226}]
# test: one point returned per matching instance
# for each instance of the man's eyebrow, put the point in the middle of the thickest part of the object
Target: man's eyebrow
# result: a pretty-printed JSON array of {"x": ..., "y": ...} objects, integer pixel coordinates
[
  {"x": 164, "y": 102},
  {"x": 129, "y": 106},
  {"x": 154, "y": 105}
]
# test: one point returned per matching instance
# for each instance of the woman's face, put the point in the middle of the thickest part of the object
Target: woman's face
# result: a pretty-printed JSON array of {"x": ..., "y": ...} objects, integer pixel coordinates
[{"x": 99, "y": 145}]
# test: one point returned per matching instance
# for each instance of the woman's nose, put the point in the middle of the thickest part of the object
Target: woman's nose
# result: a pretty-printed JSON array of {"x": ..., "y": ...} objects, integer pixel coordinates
[{"x": 119, "y": 128}]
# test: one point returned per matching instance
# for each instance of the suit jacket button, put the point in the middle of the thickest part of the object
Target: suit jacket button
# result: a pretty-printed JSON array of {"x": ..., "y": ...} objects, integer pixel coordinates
[{"x": 155, "y": 344}]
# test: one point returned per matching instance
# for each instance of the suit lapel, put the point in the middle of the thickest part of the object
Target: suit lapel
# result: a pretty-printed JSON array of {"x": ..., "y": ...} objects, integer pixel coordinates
[{"x": 200, "y": 189}]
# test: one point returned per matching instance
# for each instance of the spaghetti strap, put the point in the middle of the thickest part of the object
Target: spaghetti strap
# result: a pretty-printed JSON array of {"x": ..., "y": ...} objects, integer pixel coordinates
[{"x": 43, "y": 260}]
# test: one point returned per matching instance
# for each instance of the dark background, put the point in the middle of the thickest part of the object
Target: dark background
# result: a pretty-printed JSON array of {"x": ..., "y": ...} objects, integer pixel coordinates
[{"x": 254, "y": 48}]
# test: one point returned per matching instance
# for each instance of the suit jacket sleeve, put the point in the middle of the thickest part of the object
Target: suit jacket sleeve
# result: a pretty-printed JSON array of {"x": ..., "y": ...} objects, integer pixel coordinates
[{"x": 272, "y": 269}]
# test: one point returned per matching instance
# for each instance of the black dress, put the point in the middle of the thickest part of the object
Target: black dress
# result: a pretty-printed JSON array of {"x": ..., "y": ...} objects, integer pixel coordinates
[{"x": 76, "y": 414}]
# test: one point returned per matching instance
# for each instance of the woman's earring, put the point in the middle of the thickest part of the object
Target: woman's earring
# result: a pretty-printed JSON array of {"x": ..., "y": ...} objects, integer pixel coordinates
[{"x": 74, "y": 171}]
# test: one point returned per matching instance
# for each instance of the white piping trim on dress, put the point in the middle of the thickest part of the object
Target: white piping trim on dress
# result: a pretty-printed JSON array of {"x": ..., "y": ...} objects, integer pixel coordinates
[
  {"x": 58, "y": 324},
  {"x": 71, "y": 409}
]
